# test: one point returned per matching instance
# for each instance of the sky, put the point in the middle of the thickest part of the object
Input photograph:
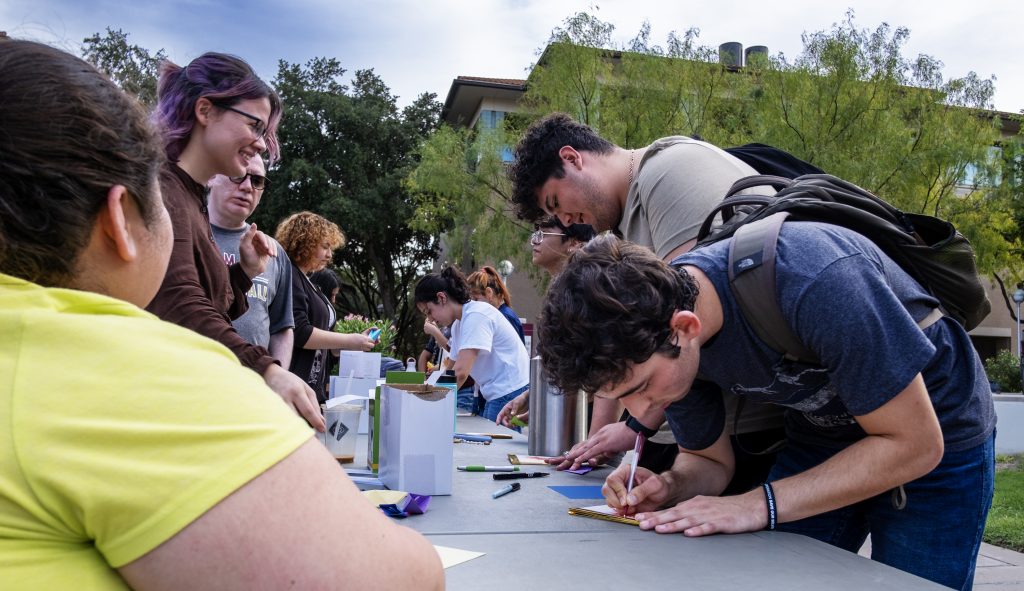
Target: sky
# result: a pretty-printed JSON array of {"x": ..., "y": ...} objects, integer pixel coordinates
[{"x": 421, "y": 46}]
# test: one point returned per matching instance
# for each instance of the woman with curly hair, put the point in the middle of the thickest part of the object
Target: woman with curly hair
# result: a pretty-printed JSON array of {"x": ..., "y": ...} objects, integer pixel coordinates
[{"x": 310, "y": 241}]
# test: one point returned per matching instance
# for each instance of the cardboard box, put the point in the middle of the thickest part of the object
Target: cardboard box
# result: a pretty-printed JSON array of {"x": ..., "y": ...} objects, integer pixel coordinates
[
  {"x": 416, "y": 448},
  {"x": 359, "y": 364}
]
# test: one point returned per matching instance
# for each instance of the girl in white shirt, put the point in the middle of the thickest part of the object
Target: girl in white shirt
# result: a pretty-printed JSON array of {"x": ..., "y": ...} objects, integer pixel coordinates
[{"x": 483, "y": 343}]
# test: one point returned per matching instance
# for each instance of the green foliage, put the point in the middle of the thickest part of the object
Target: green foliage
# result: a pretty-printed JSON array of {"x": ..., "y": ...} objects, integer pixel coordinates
[
  {"x": 461, "y": 192},
  {"x": 1004, "y": 369},
  {"x": 850, "y": 102},
  {"x": 346, "y": 152},
  {"x": 1005, "y": 524},
  {"x": 131, "y": 67},
  {"x": 354, "y": 323}
]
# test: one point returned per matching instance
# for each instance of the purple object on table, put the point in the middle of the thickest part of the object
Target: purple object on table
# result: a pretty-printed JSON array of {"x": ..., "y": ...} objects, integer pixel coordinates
[{"x": 580, "y": 470}]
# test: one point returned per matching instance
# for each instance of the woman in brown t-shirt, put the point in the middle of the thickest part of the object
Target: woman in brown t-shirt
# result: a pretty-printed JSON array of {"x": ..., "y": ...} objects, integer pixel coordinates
[{"x": 215, "y": 116}]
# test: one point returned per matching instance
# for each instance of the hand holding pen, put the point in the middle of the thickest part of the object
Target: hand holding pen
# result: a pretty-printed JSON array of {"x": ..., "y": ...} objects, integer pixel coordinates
[{"x": 631, "y": 489}]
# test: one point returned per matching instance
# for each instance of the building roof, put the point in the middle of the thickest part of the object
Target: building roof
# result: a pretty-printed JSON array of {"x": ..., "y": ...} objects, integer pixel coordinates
[{"x": 466, "y": 92}]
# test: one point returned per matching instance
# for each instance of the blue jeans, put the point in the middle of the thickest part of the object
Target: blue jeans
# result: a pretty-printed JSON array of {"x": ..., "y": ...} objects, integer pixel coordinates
[
  {"x": 464, "y": 399},
  {"x": 935, "y": 536},
  {"x": 494, "y": 406}
]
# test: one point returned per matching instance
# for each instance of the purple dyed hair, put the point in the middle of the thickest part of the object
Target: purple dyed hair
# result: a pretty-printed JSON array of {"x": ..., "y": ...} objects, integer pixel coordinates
[{"x": 222, "y": 79}]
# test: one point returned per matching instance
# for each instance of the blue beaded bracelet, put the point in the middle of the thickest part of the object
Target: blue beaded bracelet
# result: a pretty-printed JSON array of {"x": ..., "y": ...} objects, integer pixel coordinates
[{"x": 769, "y": 497}]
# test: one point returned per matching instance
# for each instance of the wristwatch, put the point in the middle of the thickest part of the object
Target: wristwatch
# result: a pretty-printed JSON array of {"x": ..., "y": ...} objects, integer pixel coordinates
[{"x": 639, "y": 427}]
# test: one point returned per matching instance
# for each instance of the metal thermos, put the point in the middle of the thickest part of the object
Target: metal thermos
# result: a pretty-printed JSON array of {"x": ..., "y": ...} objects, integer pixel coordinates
[{"x": 557, "y": 421}]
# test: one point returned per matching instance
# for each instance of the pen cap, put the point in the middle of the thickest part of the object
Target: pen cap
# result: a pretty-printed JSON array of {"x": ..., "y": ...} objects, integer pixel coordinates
[{"x": 516, "y": 486}]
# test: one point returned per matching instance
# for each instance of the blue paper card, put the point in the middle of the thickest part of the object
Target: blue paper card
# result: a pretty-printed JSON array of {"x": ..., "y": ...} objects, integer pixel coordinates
[{"x": 579, "y": 492}]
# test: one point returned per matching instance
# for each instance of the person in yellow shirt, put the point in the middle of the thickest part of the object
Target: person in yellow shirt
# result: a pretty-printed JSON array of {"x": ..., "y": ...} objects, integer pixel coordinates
[{"x": 135, "y": 453}]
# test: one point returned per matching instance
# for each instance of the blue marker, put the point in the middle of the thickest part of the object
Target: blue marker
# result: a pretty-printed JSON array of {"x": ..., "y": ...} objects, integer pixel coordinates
[
  {"x": 374, "y": 333},
  {"x": 505, "y": 490}
]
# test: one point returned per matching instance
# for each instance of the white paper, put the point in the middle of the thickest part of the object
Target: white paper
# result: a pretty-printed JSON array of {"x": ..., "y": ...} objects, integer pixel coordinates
[
  {"x": 452, "y": 556},
  {"x": 359, "y": 364}
]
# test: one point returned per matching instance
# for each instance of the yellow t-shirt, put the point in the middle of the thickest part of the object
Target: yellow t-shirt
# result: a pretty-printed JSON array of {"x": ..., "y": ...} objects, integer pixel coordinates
[{"x": 116, "y": 431}]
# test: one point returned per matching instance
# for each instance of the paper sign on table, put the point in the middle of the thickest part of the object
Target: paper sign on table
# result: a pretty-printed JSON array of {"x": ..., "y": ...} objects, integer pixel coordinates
[{"x": 452, "y": 556}]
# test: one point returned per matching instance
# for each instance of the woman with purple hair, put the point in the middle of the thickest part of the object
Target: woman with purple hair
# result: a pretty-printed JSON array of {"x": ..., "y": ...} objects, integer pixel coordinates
[{"x": 215, "y": 115}]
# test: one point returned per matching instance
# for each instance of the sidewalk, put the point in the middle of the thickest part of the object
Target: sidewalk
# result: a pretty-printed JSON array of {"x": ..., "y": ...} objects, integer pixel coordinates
[{"x": 997, "y": 568}]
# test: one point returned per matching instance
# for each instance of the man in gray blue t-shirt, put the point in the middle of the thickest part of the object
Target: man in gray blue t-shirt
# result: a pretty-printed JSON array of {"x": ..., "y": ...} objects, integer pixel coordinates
[
  {"x": 268, "y": 322},
  {"x": 890, "y": 435}
]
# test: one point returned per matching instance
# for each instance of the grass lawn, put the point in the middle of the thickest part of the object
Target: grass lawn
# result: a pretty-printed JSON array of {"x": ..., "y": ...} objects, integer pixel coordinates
[{"x": 1005, "y": 526}]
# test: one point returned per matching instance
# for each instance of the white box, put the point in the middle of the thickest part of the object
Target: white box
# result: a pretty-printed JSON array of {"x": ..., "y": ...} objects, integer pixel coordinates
[
  {"x": 359, "y": 364},
  {"x": 416, "y": 449}
]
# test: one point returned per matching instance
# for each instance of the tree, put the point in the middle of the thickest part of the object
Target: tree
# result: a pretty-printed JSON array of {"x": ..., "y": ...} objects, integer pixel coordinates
[
  {"x": 131, "y": 67},
  {"x": 346, "y": 151},
  {"x": 850, "y": 102},
  {"x": 462, "y": 193}
]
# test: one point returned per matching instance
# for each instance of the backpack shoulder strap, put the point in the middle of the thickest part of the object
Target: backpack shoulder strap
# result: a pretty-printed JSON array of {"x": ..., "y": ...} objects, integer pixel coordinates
[{"x": 752, "y": 279}]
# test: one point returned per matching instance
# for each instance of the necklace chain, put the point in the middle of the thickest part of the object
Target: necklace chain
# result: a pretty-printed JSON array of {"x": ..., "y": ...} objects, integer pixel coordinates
[{"x": 629, "y": 179}]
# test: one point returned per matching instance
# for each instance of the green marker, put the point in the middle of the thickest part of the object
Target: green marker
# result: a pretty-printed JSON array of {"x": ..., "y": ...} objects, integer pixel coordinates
[{"x": 489, "y": 468}]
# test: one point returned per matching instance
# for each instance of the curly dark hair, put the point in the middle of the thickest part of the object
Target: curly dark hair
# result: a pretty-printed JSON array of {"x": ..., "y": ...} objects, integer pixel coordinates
[
  {"x": 578, "y": 232},
  {"x": 609, "y": 309},
  {"x": 537, "y": 160},
  {"x": 450, "y": 281}
]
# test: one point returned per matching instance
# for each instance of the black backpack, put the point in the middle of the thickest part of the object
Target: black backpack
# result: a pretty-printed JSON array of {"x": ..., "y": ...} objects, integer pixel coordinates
[
  {"x": 767, "y": 159},
  {"x": 929, "y": 249}
]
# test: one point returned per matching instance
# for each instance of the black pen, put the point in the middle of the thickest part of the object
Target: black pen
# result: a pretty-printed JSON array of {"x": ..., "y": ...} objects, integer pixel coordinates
[{"x": 515, "y": 475}]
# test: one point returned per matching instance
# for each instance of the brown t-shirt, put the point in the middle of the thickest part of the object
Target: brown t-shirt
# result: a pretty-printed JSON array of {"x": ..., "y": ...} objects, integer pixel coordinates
[{"x": 199, "y": 291}]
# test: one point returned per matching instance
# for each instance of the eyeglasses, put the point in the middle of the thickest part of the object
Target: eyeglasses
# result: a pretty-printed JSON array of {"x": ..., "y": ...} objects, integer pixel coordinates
[
  {"x": 258, "y": 182},
  {"x": 258, "y": 127},
  {"x": 538, "y": 236}
]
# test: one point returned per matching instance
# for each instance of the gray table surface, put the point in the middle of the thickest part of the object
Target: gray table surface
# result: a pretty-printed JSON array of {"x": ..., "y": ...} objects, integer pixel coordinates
[{"x": 529, "y": 539}]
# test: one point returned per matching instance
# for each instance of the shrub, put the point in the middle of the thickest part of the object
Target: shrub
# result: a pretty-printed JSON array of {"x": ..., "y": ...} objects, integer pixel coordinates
[
  {"x": 1004, "y": 369},
  {"x": 356, "y": 323}
]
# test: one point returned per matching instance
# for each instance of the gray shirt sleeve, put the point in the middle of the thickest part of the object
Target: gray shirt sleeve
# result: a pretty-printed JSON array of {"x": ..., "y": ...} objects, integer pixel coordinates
[
  {"x": 280, "y": 309},
  {"x": 679, "y": 182}
]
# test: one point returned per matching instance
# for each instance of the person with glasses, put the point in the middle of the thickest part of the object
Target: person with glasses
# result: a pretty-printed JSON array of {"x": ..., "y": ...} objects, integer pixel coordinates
[
  {"x": 138, "y": 454},
  {"x": 216, "y": 117},
  {"x": 552, "y": 243},
  {"x": 268, "y": 322},
  {"x": 655, "y": 196}
]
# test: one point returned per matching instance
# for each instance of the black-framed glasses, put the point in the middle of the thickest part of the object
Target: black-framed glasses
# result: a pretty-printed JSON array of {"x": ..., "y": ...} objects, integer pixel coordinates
[
  {"x": 258, "y": 181},
  {"x": 538, "y": 236},
  {"x": 259, "y": 127}
]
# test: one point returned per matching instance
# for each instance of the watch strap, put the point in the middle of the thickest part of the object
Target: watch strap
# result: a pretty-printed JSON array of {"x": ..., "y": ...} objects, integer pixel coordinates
[{"x": 639, "y": 427}]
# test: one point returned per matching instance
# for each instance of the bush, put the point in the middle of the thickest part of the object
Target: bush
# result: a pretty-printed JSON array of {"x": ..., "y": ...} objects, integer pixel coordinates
[
  {"x": 1004, "y": 369},
  {"x": 356, "y": 323}
]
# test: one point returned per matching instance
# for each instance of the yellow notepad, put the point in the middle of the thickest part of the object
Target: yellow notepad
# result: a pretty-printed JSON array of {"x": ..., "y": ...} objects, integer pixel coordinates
[
  {"x": 603, "y": 512},
  {"x": 517, "y": 460}
]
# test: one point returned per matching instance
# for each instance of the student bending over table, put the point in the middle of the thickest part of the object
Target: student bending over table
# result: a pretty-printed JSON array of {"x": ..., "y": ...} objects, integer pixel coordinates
[
  {"x": 483, "y": 343},
  {"x": 137, "y": 453},
  {"x": 891, "y": 434}
]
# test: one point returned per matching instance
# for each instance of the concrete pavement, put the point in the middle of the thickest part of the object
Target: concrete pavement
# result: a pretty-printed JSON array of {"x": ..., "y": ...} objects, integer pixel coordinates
[{"x": 997, "y": 569}]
